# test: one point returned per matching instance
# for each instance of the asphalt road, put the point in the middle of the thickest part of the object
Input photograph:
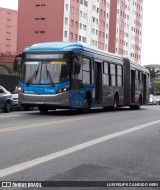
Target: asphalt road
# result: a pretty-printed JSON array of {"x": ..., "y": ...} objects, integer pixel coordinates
[{"x": 65, "y": 145}]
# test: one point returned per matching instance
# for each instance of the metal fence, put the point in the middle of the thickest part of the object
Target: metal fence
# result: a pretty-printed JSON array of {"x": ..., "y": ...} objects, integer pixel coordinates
[{"x": 9, "y": 82}]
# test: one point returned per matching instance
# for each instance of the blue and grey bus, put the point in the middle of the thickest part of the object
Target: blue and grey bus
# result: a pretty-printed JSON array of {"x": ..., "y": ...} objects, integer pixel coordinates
[{"x": 60, "y": 75}]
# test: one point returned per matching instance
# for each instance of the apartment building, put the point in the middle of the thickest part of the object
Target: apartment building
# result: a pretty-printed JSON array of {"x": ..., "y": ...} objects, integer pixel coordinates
[
  {"x": 8, "y": 37},
  {"x": 108, "y": 25},
  {"x": 8, "y": 31}
]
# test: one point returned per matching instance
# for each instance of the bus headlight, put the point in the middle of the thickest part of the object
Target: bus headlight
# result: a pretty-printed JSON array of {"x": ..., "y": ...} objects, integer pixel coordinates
[
  {"x": 19, "y": 88},
  {"x": 63, "y": 89}
]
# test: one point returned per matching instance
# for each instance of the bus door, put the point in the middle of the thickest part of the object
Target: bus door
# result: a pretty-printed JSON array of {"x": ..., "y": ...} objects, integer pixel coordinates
[
  {"x": 144, "y": 88},
  {"x": 133, "y": 74},
  {"x": 98, "y": 82}
]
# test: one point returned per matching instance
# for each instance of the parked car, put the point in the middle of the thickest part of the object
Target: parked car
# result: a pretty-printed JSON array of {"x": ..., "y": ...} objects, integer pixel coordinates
[
  {"x": 15, "y": 101},
  {"x": 152, "y": 100},
  {"x": 5, "y": 100},
  {"x": 157, "y": 97}
]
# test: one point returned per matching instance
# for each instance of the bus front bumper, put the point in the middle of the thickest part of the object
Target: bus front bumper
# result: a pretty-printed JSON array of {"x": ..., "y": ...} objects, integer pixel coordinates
[{"x": 57, "y": 100}]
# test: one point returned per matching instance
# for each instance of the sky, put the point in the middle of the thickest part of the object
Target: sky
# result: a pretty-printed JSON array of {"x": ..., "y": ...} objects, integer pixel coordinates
[{"x": 150, "y": 53}]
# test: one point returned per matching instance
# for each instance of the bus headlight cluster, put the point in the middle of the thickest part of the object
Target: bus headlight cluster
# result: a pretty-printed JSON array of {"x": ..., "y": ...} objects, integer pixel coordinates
[
  {"x": 19, "y": 88},
  {"x": 63, "y": 89}
]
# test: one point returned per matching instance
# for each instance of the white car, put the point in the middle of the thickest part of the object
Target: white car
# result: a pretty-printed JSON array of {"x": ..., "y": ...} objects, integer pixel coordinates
[
  {"x": 152, "y": 100},
  {"x": 157, "y": 97},
  {"x": 15, "y": 101}
]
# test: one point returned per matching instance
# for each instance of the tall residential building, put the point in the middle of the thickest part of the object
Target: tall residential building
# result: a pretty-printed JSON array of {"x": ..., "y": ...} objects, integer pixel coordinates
[
  {"x": 109, "y": 25},
  {"x": 8, "y": 37},
  {"x": 8, "y": 32}
]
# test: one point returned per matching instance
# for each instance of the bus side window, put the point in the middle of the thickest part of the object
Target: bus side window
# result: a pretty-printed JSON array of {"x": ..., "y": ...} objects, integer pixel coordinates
[
  {"x": 86, "y": 71},
  {"x": 113, "y": 74},
  {"x": 106, "y": 76},
  {"x": 119, "y": 75},
  {"x": 137, "y": 77}
]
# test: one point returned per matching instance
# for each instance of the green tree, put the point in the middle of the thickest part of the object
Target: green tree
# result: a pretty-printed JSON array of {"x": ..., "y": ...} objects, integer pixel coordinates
[
  {"x": 17, "y": 65},
  {"x": 153, "y": 76},
  {"x": 7, "y": 68},
  {"x": 153, "y": 73}
]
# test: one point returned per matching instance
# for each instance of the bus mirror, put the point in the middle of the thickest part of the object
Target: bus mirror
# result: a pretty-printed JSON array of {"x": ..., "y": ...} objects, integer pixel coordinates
[{"x": 77, "y": 64}]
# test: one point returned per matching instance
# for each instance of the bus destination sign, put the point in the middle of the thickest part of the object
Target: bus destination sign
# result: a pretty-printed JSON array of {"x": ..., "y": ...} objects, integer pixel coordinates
[{"x": 44, "y": 56}]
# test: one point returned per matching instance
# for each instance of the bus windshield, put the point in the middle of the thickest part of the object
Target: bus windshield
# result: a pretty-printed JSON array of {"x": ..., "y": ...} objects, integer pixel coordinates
[{"x": 45, "y": 72}]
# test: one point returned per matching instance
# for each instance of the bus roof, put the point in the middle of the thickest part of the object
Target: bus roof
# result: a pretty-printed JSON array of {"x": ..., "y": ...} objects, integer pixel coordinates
[
  {"x": 64, "y": 46},
  {"x": 77, "y": 48},
  {"x": 53, "y": 46},
  {"x": 68, "y": 47}
]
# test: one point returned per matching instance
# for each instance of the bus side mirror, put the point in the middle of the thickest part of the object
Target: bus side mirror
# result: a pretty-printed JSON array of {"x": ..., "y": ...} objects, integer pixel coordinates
[{"x": 77, "y": 64}]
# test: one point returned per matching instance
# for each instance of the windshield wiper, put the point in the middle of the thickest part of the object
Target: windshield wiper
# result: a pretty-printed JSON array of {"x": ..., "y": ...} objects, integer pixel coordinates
[
  {"x": 33, "y": 76},
  {"x": 49, "y": 75}
]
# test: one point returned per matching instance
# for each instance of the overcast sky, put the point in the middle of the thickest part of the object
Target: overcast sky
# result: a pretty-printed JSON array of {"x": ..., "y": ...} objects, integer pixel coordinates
[{"x": 150, "y": 33}]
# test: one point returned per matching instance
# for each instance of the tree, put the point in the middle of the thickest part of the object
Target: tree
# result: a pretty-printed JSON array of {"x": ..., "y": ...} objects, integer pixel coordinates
[
  {"x": 17, "y": 64},
  {"x": 153, "y": 76},
  {"x": 7, "y": 68}
]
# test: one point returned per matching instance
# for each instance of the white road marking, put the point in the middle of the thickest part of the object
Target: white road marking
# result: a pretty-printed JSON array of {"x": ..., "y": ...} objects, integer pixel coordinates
[
  {"x": 4, "y": 116},
  {"x": 49, "y": 157}
]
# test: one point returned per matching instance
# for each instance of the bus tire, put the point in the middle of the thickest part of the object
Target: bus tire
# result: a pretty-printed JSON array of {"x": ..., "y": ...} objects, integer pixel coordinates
[
  {"x": 87, "y": 106},
  {"x": 7, "y": 107},
  {"x": 115, "y": 103},
  {"x": 136, "y": 107},
  {"x": 43, "y": 109}
]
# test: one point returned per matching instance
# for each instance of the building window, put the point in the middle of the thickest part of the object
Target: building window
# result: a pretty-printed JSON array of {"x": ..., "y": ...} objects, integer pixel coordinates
[
  {"x": 71, "y": 36},
  {"x": 77, "y": 11},
  {"x": 72, "y": 10},
  {"x": 84, "y": 39},
  {"x": 84, "y": 27},
  {"x": 85, "y": 3},
  {"x": 72, "y": 23},
  {"x": 76, "y": 37},
  {"x": 66, "y": 7},
  {"x": 65, "y": 34},
  {"x": 66, "y": 20},
  {"x": 76, "y": 23}
]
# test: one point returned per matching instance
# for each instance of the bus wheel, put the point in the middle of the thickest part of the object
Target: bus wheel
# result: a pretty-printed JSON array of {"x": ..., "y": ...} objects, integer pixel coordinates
[
  {"x": 43, "y": 109},
  {"x": 115, "y": 104},
  {"x": 136, "y": 107},
  {"x": 87, "y": 105}
]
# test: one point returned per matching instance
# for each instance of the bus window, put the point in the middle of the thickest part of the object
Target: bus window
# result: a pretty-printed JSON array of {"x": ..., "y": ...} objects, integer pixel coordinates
[
  {"x": 86, "y": 71},
  {"x": 113, "y": 74},
  {"x": 119, "y": 76},
  {"x": 106, "y": 73}
]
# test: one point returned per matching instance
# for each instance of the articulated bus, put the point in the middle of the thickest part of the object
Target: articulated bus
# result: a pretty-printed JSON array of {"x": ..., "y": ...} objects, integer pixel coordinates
[{"x": 60, "y": 75}]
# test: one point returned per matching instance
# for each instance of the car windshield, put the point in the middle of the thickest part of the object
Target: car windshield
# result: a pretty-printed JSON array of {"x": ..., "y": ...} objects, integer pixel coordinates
[{"x": 45, "y": 72}]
